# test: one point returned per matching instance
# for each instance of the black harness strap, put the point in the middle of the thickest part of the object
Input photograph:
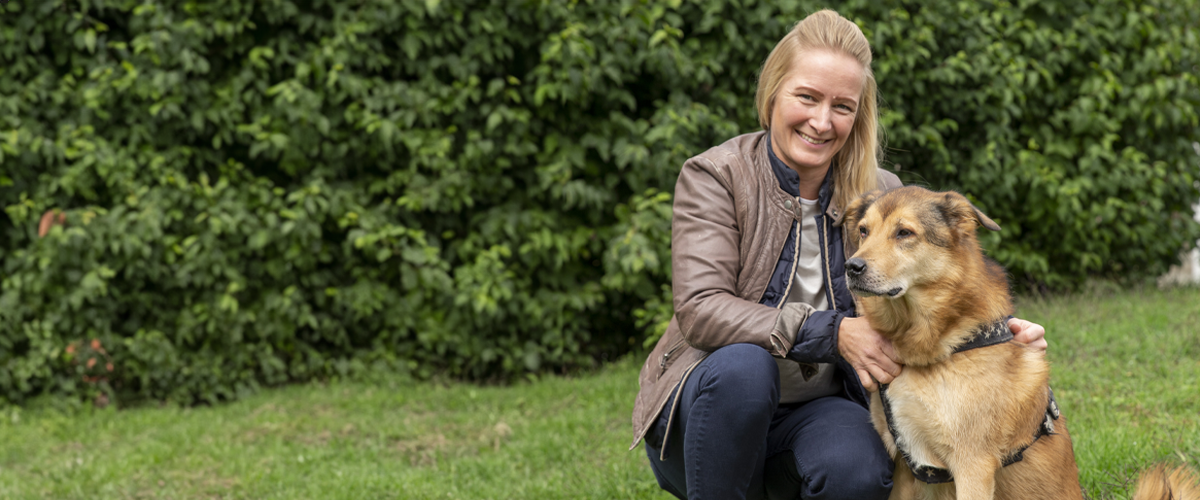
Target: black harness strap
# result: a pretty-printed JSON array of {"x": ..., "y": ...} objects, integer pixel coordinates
[
  {"x": 989, "y": 335},
  {"x": 995, "y": 333}
]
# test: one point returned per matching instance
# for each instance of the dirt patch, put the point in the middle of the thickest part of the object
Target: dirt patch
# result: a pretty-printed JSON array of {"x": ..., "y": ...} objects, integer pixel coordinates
[
  {"x": 424, "y": 450},
  {"x": 204, "y": 482},
  {"x": 267, "y": 408}
]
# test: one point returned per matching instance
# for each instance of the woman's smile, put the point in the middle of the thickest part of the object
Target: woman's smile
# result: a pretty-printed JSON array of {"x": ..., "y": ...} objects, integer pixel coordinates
[{"x": 812, "y": 140}]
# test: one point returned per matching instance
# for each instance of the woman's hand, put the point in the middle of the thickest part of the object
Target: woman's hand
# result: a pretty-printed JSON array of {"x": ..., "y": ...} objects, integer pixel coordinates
[
  {"x": 1031, "y": 334},
  {"x": 871, "y": 355},
  {"x": 874, "y": 358}
]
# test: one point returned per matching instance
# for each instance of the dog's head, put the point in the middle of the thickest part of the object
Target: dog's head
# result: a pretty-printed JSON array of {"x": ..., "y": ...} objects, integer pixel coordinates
[{"x": 907, "y": 237}]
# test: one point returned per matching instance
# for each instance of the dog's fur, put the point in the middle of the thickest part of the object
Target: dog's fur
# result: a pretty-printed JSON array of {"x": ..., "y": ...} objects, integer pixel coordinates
[{"x": 923, "y": 282}]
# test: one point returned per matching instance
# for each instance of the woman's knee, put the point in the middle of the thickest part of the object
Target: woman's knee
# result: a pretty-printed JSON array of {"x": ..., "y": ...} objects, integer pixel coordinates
[
  {"x": 741, "y": 371},
  {"x": 850, "y": 477},
  {"x": 864, "y": 486}
]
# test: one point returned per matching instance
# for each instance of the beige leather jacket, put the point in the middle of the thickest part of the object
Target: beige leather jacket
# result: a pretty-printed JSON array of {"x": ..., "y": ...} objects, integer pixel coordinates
[{"x": 731, "y": 221}]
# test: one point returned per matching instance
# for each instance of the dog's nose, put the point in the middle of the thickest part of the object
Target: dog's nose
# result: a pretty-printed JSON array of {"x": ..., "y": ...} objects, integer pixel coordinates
[{"x": 856, "y": 266}]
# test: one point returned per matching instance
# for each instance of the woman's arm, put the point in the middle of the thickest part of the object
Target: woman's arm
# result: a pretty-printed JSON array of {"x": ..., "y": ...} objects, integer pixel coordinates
[
  {"x": 706, "y": 260},
  {"x": 873, "y": 357}
]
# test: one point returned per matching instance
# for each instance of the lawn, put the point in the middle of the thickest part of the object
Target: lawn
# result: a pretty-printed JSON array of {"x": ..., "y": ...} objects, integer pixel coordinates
[{"x": 1126, "y": 373}]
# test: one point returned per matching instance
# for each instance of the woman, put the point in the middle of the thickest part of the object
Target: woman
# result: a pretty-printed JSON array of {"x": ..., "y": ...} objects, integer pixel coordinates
[{"x": 759, "y": 386}]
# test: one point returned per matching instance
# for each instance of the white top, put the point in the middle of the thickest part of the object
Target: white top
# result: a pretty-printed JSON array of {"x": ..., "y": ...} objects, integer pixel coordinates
[{"x": 808, "y": 286}]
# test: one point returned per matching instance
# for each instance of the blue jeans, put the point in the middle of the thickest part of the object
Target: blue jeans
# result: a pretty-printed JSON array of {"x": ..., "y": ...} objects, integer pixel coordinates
[{"x": 731, "y": 438}]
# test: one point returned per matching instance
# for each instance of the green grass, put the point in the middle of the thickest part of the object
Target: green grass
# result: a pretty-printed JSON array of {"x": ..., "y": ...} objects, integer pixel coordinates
[{"x": 1126, "y": 371}]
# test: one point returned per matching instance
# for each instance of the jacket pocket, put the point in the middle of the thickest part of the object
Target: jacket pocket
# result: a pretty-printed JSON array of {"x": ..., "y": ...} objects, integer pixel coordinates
[{"x": 662, "y": 364}]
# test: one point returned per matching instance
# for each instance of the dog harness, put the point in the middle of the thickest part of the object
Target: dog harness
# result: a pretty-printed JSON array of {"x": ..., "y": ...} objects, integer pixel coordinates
[{"x": 995, "y": 333}]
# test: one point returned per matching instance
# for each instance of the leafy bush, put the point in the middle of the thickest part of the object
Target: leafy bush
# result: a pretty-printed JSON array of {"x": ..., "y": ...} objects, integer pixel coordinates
[
  {"x": 262, "y": 192},
  {"x": 1073, "y": 123}
]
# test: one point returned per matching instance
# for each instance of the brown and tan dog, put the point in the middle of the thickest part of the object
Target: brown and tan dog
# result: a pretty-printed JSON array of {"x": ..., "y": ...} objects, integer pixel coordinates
[{"x": 969, "y": 409}]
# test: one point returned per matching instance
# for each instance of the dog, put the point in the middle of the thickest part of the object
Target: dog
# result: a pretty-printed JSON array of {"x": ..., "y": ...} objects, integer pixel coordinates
[{"x": 971, "y": 416}]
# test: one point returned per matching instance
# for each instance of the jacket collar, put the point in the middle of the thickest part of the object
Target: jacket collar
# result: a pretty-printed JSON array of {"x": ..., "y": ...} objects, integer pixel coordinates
[{"x": 789, "y": 180}]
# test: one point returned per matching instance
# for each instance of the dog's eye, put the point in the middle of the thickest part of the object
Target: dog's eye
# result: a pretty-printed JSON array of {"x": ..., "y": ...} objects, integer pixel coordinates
[
  {"x": 862, "y": 232},
  {"x": 903, "y": 233}
]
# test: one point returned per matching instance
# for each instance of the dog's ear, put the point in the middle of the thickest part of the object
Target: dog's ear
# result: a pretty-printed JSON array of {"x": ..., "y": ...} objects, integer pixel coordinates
[
  {"x": 956, "y": 208},
  {"x": 857, "y": 209}
]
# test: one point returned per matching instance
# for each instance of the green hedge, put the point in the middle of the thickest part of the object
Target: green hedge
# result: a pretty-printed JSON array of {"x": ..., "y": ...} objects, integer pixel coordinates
[{"x": 271, "y": 191}]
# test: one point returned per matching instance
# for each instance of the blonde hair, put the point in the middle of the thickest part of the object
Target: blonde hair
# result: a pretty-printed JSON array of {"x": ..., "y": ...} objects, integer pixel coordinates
[{"x": 859, "y": 157}]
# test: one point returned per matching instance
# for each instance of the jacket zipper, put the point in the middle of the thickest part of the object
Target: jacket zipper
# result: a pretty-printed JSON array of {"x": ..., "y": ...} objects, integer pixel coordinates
[
  {"x": 790, "y": 279},
  {"x": 663, "y": 364},
  {"x": 828, "y": 271}
]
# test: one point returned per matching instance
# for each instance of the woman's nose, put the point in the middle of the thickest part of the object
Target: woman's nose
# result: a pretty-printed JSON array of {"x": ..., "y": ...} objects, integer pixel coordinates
[{"x": 821, "y": 120}]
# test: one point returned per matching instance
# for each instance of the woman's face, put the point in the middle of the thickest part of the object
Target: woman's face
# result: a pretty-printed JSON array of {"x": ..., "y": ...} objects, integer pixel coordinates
[{"x": 814, "y": 109}]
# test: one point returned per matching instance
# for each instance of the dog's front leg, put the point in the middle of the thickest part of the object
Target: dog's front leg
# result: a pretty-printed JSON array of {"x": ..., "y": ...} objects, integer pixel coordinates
[
  {"x": 976, "y": 480},
  {"x": 904, "y": 485}
]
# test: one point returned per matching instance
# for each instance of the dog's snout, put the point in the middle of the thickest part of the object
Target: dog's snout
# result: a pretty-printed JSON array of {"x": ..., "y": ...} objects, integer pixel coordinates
[{"x": 856, "y": 266}]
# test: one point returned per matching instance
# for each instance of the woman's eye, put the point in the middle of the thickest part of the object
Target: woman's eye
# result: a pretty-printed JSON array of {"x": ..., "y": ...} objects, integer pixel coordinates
[
  {"x": 903, "y": 233},
  {"x": 806, "y": 97},
  {"x": 846, "y": 108}
]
